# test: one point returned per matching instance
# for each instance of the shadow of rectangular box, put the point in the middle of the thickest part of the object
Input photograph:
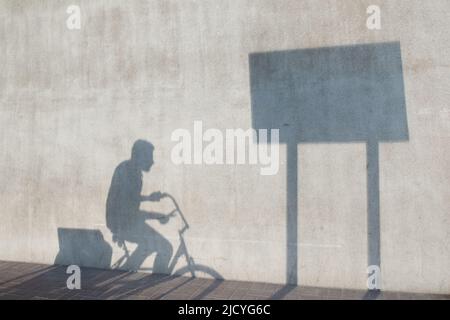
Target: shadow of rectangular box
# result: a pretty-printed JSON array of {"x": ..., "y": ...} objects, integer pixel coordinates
[{"x": 83, "y": 248}]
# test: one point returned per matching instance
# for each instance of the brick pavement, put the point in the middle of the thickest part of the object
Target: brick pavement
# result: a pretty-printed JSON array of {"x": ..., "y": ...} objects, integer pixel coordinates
[{"x": 20, "y": 280}]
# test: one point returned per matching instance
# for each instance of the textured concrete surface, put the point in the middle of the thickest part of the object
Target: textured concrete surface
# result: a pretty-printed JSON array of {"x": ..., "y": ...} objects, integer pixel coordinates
[
  {"x": 20, "y": 281},
  {"x": 73, "y": 102}
]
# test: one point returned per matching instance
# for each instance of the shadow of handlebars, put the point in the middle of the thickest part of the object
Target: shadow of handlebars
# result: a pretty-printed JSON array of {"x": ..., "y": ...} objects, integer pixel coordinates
[{"x": 177, "y": 209}]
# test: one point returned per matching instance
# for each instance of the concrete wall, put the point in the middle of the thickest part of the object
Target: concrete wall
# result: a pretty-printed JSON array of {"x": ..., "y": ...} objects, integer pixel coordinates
[{"x": 73, "y": 102}]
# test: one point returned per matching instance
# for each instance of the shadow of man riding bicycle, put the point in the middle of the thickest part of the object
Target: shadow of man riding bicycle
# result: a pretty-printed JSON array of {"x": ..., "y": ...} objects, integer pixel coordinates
[{"x": 127, "y": 221}]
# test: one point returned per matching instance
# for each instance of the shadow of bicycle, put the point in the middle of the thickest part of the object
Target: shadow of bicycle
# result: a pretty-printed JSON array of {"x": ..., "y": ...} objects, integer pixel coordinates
[{"x": 128, "y": 225}]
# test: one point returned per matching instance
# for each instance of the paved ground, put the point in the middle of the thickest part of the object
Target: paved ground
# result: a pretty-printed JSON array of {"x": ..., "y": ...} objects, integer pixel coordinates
[{"x": 36, "y": 281}]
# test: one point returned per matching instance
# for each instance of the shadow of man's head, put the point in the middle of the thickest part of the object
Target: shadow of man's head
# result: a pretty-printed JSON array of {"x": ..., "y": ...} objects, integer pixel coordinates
[{"x": 142, "y": 155}]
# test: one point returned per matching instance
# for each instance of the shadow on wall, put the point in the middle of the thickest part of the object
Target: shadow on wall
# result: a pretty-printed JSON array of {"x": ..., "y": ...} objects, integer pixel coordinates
[
  {"x": 83, "y": 247},
  {"x": 330, "y": 95},
  {"x": 124, "y": 217},
  {"x": 127, "y": 222}
]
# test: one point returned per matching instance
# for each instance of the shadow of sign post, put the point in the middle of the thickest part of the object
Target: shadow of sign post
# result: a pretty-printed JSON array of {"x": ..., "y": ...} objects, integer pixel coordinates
[{"x": 330, "y": 95}]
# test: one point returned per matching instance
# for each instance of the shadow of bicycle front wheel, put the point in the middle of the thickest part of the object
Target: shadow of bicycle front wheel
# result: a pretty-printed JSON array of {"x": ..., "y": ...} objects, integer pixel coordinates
[{"x": 213, "y": 279}]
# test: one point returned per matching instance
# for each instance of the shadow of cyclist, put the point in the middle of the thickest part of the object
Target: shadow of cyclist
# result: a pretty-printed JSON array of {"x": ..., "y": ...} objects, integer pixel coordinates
[{"x": 124, "y": 217}]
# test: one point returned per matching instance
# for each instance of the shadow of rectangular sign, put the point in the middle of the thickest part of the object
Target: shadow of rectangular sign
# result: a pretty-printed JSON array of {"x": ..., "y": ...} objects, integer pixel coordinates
[{"x": 333, "y": 94}]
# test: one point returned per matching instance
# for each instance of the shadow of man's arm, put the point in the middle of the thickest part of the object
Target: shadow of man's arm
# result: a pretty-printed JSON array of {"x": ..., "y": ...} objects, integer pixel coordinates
[
  {"x": 154, "y": 197},
  {"x": 163, "y": 218}
]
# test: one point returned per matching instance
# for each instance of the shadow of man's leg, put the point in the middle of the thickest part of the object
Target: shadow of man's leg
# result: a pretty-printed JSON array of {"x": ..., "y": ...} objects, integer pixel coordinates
[
  {"x": 164, "y": 253},
  {"x": 149, "y": 241}
]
